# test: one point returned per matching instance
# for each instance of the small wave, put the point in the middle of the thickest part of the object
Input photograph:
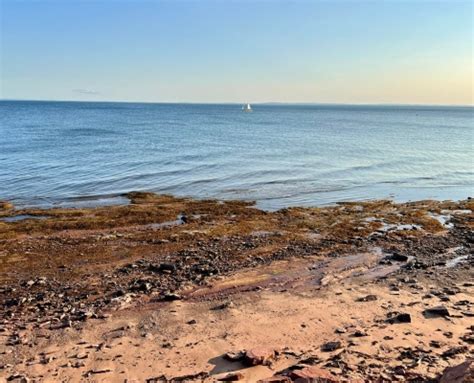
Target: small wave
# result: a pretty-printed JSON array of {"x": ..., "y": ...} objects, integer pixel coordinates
[{"x": 89, "y": 131}]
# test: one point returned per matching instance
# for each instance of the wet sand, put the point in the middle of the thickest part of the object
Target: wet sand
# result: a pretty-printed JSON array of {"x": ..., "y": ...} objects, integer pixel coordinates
[{"x": 163, "y": 289}]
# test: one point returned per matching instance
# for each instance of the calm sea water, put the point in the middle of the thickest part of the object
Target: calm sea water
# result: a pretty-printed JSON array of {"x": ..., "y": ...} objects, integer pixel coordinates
[{"x": 279, "y": 155}]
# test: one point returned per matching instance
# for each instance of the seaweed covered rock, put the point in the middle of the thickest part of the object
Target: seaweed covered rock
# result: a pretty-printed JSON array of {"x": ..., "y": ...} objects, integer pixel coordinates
[{"x": 5, "y": 205}]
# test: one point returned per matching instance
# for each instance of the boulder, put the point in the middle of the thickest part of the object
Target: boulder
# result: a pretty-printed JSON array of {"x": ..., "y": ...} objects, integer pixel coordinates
[
  {"x": 438, "y": 311},
  {"x": 331, "y": 346},
  {"x": 399, "y": 318},
  {"x": 462, "y": 373},
  {"x": 259, "y": 355}
]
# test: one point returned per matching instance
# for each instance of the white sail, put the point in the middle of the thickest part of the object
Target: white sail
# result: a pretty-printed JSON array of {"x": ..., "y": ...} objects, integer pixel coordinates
[{"x": 247, "y": 108}]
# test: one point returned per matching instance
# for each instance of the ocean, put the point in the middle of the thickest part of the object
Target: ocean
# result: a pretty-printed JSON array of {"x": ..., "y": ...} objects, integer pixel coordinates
[{"x": 90, "y": 153}]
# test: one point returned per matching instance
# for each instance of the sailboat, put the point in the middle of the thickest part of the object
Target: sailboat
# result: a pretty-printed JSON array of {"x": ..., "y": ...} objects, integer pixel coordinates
[{"x": 247, "y": 108}]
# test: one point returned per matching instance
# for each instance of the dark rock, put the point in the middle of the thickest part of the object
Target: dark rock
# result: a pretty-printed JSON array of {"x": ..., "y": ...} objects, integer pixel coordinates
[
  {"x": 399, "y": 370},
  {"x": 163, "y": 267},
  {"x": 435, "y": 344},
  {"x": 454, "y": 351},
  {"x": 367, "y": 298},
  {"x": 395, "y": 317},
  {"x": 438, "y": 311},
  {"x": 11, "y": 302},
  {"x": 399, "y": 257},
  {"x": 183, "y": 218},
  {"x": 448, "y": 334},
  {"x": 96, "y": 372},
  {"x": 359, "y": 333},
  {"x": 231, "y": 377},
  {"x": 18, "y": 378},
  {"x": 444, "y": 298},
  {"x": 331, "y": 346},
  {"x": 172, "y": 297},
  {"x": 451, "y": 290},
  {"x": 223, "y": 306},
  {"x": 462, "y": 373},
  {"x": 468, "y": 338}
]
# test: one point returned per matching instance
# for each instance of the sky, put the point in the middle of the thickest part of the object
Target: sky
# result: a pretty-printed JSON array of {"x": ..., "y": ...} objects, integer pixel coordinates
[{"x": 389, "y": 52}]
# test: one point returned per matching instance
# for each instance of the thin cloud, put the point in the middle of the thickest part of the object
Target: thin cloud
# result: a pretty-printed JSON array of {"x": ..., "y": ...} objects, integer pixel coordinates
[{"x": 86, "y": 91}]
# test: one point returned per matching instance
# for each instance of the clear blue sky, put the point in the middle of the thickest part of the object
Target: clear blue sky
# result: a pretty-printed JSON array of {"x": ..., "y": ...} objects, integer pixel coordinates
[{"x": 237, "y": 51}]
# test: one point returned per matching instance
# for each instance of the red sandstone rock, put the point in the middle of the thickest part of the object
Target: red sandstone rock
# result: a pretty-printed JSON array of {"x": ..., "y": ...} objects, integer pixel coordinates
[
  {"x": 462, "y": 373},
  {"x": 276, "y": 379},
  {"x": 259, "y": 355},
  {"x": 313, "y": 374}
]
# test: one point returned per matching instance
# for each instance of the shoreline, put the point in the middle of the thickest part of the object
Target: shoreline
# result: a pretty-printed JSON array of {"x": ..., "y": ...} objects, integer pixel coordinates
[
  {"x": 173, "y": 284},
  {"x": 122, "y": 199}
]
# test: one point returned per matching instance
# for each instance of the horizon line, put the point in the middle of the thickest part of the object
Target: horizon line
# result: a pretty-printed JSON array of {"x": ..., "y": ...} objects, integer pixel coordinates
[{"x": 236, "y": 103}]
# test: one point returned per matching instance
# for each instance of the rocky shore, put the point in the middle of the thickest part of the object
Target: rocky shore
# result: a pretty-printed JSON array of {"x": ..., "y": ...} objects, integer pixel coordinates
[{"x": 171, "y": 289}]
